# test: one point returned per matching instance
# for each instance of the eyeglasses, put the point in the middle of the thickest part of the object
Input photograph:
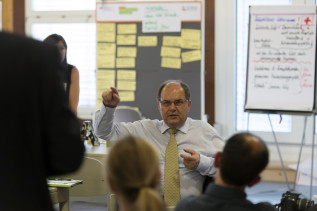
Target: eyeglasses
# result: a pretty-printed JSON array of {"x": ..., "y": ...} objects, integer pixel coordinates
[{"x": 177, "y": 103}]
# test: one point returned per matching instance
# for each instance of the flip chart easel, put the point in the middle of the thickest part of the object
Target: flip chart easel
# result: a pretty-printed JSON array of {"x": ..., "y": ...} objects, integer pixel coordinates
[{"x": 281, "y": 68}]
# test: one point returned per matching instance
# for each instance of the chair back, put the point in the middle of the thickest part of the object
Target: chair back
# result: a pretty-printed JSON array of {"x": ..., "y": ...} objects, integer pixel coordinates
[
  {"x": 127, "y": 114},
  {"x": 93, "y": 174}
]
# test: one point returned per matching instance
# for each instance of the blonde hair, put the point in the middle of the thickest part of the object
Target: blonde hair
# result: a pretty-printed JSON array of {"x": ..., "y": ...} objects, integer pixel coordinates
[{"x": 133, "y": 170}]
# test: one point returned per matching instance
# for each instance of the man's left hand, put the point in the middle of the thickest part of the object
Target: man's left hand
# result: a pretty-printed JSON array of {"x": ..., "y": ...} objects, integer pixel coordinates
[{"x": 191, "y": 161}]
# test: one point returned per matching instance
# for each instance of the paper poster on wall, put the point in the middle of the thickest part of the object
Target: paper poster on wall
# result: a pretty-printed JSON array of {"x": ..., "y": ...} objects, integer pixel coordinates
[
  {"x": 146, "y": 10},
  {"x": 146, "y": 57},
  {"x": 281, "y": 63},
  {"x": 170, "y": 52},
  {"x": 173, "y": 41},
  {"x": 127, "y": 96},
  {"x": 106, "y": 32}
]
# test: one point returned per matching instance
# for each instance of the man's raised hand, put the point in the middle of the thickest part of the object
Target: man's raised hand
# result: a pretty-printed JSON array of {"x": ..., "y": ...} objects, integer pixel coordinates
[{"x": 110, "y": 97}]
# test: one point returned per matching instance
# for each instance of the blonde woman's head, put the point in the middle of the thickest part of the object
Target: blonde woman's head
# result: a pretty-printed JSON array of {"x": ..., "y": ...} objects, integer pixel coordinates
[{"x": 133, "y": 172}]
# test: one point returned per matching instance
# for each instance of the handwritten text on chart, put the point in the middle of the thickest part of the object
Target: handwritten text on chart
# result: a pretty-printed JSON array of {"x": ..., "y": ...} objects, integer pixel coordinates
[
  {"x": 160, "y": 19},
  {"x": 282, "y": 48}
]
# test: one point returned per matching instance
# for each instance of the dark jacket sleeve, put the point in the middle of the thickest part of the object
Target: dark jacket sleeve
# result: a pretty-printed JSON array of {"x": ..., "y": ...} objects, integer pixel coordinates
[{"x": 61, "y": 130}]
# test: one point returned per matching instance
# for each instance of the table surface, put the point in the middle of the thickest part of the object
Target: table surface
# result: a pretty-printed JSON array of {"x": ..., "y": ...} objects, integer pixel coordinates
[{"x": 101, "y": 150}]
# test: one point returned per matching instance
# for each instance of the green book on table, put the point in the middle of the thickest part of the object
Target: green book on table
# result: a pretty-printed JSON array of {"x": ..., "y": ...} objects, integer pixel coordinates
[{"x": 64, "y": 183}]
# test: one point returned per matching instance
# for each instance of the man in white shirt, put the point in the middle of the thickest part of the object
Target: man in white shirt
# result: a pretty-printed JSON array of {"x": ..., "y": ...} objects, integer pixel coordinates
[{"x": 197, "y": 141}]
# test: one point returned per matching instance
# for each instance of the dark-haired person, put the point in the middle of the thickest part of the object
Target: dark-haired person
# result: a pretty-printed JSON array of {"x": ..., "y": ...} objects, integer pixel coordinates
[
  {"x": 242, "y": 160},
  {"x": 136, "y": 185},
  {"x": 40, "y": 136},
  {"x": 197, "y": 141},
  {"x": 69, "y": 72}
]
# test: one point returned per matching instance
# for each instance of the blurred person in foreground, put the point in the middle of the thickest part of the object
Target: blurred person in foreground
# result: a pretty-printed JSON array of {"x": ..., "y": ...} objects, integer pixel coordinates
[
  {"x": 242, "y": 160},
  {"x": 133, "y": 174},
  {"x": 40, "y": 135}
]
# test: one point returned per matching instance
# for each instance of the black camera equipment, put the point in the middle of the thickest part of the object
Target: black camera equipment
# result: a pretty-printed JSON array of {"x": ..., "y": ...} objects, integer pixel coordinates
[{"x": 291, "y": 202}]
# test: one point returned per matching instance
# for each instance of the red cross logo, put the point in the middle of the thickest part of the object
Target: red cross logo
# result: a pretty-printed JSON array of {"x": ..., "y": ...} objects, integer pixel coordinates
[{"x": 307, "y": 20}]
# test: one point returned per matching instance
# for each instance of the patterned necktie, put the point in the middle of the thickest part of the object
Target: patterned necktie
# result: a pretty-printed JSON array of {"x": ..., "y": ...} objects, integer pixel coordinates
[{"x": 171, "y": 171}]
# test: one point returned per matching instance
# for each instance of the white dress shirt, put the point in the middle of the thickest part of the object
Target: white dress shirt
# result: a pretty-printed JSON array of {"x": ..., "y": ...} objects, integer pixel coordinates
[{"x": 194, "y": 134}]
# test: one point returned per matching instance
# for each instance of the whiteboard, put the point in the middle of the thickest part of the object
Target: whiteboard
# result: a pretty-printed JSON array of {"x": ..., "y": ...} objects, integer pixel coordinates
[{"x": 281, "y": 59}]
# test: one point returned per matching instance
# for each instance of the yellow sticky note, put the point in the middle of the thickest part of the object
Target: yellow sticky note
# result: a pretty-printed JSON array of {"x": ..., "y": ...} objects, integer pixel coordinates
[
  {"x": 191, "y": 33},
  {"x": 125, "y": 63},
  {"x": 106, "y": 74},
  {"x": 99, "y": 93},
  {"x": 171, "y": 63},
  {"x": 106, "y": 49},
  {"x": 126, "y": 51},
  {"x": 126, "y": 75},
  {"x": 191, "y": 56},
  {"x": 147, "y": 41},
  {"x": 98, "y": 102},
  {"x": 172, "y": 41},
  {"x": 106, "y": 61},
  {"x": 170, "y": 52},
  {"x": 191, "y": 38},
  {"x": 126, "y": 85},
  {"x": 106, "y": 32},
  {"x": 191, "y": 44},
  {"x": 126, "y": 39},
  {"x": 126, "y": 96},
  {"x": 127, "y": 28},
  {"x": 104, "y": 84}
]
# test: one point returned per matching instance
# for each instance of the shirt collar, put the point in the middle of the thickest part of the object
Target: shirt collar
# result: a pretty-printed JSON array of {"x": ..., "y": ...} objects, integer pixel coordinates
[{"x": 183, "y": 128}]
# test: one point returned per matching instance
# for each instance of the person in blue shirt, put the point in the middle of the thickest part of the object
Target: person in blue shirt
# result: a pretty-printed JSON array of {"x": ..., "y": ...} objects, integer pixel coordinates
[
  {"x": 242, "y": 160},
  {"x": 197, "y": 141}
]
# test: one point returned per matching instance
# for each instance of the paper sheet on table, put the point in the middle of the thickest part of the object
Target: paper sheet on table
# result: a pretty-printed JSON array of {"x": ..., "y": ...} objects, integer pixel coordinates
[
  {"x": 126, "y": 96},
  {"x": 125, "y": 63},
  {"x": 170, "y": 52},
  {"x": 126, "y": 75},
  {"x": 129, "y": 28},
  {"x": 190, "y": 56},
  {"x": 106, "y": 32},
  {"x": 171, "y": 63},
  {"x": 147, "y": 41},
  {"x": 126, "y": 85},
  {"x": 126, "y": 51},
  {"x": 126, "y": 39}
]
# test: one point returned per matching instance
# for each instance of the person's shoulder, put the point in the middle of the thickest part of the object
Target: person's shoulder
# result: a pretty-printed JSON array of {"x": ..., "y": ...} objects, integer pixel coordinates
[
  {"x": 21, "y": 41},
  {"x": 201, "y": 124},
  {"x": 186, "y": 203},
  {"x": 75, "y": 71},
  {"x": 151, "y": 121},
  {"x": 265, "y": 206}
]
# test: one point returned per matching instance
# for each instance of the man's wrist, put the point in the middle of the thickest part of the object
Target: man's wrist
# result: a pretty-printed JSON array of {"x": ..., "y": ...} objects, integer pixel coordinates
[{"x": 108, "y": 105}]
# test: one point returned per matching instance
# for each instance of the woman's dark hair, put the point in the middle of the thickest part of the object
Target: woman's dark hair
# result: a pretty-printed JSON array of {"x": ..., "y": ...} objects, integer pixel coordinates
[{"x": 54, "y": 39}]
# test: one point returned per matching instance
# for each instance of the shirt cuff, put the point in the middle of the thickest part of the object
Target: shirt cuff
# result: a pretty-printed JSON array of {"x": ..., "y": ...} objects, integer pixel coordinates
[
  {"x": 104, "y": 109},
  {"x": 205, "y": 164}
]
